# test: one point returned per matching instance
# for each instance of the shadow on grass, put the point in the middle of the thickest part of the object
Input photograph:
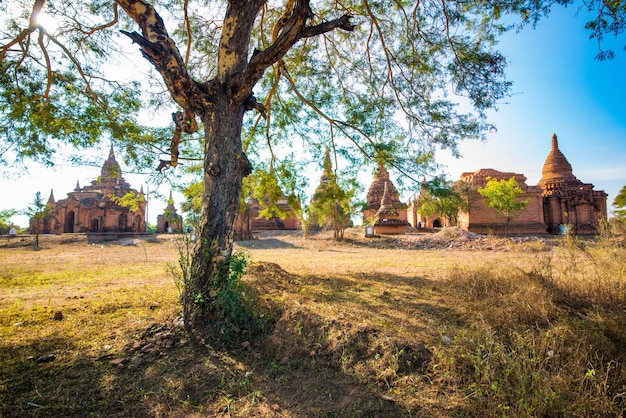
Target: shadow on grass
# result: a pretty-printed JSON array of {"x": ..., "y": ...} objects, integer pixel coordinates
[
  {"x": 189, "y": 380},
  {"x": 265, "y": 243}
]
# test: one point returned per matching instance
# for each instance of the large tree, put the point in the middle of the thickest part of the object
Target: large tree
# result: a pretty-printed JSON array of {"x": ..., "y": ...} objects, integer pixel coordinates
[{"x": 386, "y": 81}]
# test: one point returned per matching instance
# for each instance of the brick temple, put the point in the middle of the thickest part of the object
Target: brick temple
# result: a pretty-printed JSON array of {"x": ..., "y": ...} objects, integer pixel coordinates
[
  {"x": 169, "y": 221},
  {"x": 558, "y": 202},
  {"x": 91, "y": 208}
]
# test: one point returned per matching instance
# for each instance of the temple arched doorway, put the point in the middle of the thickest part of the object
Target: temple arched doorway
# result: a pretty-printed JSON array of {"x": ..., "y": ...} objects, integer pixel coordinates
[
  {"x": 123, "y": 222},
  {"x": 138, "y": 224},
  {"x": 68, "y": 227}
]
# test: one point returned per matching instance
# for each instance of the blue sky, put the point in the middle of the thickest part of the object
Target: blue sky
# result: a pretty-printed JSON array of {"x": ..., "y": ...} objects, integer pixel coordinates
[{"x": 558, "y": 88}]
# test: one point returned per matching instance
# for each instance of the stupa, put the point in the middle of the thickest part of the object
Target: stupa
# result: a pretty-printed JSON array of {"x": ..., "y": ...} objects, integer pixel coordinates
[{"x": 568, "y": 201}]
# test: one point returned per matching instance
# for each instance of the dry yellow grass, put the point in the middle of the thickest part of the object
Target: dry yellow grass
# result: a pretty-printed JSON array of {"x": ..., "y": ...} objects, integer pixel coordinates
[{"x": 454, "y": 327}]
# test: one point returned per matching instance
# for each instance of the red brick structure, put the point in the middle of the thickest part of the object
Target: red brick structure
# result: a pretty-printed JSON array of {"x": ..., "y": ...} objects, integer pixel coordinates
[
  {"x": 169, "y": 221},
  {"x": 375, "y": 195},
  {"x": 91, "y": 208},
  {"x": 559, "y": 199},
  {"x": 567, "y": 200},
  {"x": 419, "y": 220},
  {"x": 274, "y": 223},
  {"x": 248, "y": 221},
  {"x": 389, "y": 219},
  {"x": 383, "y": 207},
  {"x": 483, "y": 220}
]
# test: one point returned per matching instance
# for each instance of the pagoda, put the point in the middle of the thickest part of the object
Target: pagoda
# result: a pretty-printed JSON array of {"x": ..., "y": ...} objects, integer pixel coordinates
[
  {"x": 95, "y": 208},
  {"x": 567, "y": 201},
  {"x": 169, "y": 221}
]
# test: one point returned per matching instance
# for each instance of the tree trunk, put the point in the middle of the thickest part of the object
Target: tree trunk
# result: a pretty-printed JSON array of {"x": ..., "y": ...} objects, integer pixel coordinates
[
  {"x": 221, "y": 104},
  {"x": 224, "y": 168}
]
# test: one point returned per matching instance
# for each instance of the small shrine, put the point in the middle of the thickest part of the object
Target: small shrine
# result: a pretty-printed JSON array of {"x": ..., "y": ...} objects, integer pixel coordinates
[
  {"x": 169, "y": 221},
  {"x": 388, "y": 219},
  {"x": 383, "y": 209},
  {"x": 375, "y": 194}
]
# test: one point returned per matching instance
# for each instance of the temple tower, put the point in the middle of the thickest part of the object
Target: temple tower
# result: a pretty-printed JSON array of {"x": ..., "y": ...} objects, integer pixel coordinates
[
  {"x": 170, "y": 221},
  {"x": 566, "y": 200}
]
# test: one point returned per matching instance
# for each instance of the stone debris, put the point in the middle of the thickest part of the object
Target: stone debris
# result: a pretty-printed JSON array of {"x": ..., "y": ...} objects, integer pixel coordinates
[
  {"x": 154, "y": 342},
  {"x": 46, "y": 359},
  {"x": 453, "y": 238}
]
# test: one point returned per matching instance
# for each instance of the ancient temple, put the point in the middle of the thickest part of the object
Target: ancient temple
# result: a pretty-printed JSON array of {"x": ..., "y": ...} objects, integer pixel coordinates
[
  {"x": 484, "y": 220},
  {"x": 375, "y": 194},
  {"x": 249, "y": 221},
  {"x": 559, "y": 201},
  {"x": 169, "y": 221},
  {"x": 419, "y": 220},
  {"x": 567, "y": 200},
  {"x": 259, "y": 223},
  {"x": 383, "y": 207},
  {"x": 390, "y": 219},
  {"x": 96, "y": 208}
]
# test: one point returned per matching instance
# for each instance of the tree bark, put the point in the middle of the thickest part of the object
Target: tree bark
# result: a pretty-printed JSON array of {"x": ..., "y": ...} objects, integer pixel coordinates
[
  {"x": 225, "y": 166},
  {"x": 221, "y": 104}
]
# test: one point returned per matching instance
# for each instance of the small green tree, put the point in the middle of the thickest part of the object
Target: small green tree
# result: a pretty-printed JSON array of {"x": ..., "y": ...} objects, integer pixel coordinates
[
  {"x": 37, "y": 212},
  {"x": 503, "y": 197},
  {"x": 5, "y": 220},
  {"x": 130, "y": 200},
  {"x": 330, "y": 206},
  {"x": 441, "y": 198},
  {"x": 620, "y": 203},
  {"x": 466, "y": 192}
]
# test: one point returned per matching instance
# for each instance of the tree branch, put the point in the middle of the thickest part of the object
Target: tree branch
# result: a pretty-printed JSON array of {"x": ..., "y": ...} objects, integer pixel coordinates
[
  {"x": 48, "y": 64},
  {"x": 113, "y": 22},
  {"x": 293, "y": 29},
  {"x": 32, "y": 25},
  {"x": 342, "y": 23},
  {"x": 341, "y": 125},
  {"x": 76, "y": 63},
  {"x": 158, "y": 48},
  {"x": 188, "y": 29}
]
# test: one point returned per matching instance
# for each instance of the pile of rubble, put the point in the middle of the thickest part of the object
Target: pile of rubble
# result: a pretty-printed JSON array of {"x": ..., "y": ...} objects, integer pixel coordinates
[{"x": 458, "y": 239}]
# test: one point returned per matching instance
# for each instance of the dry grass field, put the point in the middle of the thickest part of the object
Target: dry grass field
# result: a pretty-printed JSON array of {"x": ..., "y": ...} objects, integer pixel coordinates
[{"x": 429, "y": 325}]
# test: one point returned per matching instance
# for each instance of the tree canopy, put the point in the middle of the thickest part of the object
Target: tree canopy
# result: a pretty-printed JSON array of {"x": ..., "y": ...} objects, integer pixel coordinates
[
  {"x": 378, "y": 80},
  {"x": 440, "y": 197}
]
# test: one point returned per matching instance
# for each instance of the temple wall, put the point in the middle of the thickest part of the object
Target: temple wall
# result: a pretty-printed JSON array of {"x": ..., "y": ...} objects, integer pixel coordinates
[
  {"x": 482, "y": 219},
  {"x": 164, "y": 223}
]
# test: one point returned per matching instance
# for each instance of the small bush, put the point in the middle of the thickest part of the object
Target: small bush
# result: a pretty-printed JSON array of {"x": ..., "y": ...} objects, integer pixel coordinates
[{"x": 231, "y": 305}]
